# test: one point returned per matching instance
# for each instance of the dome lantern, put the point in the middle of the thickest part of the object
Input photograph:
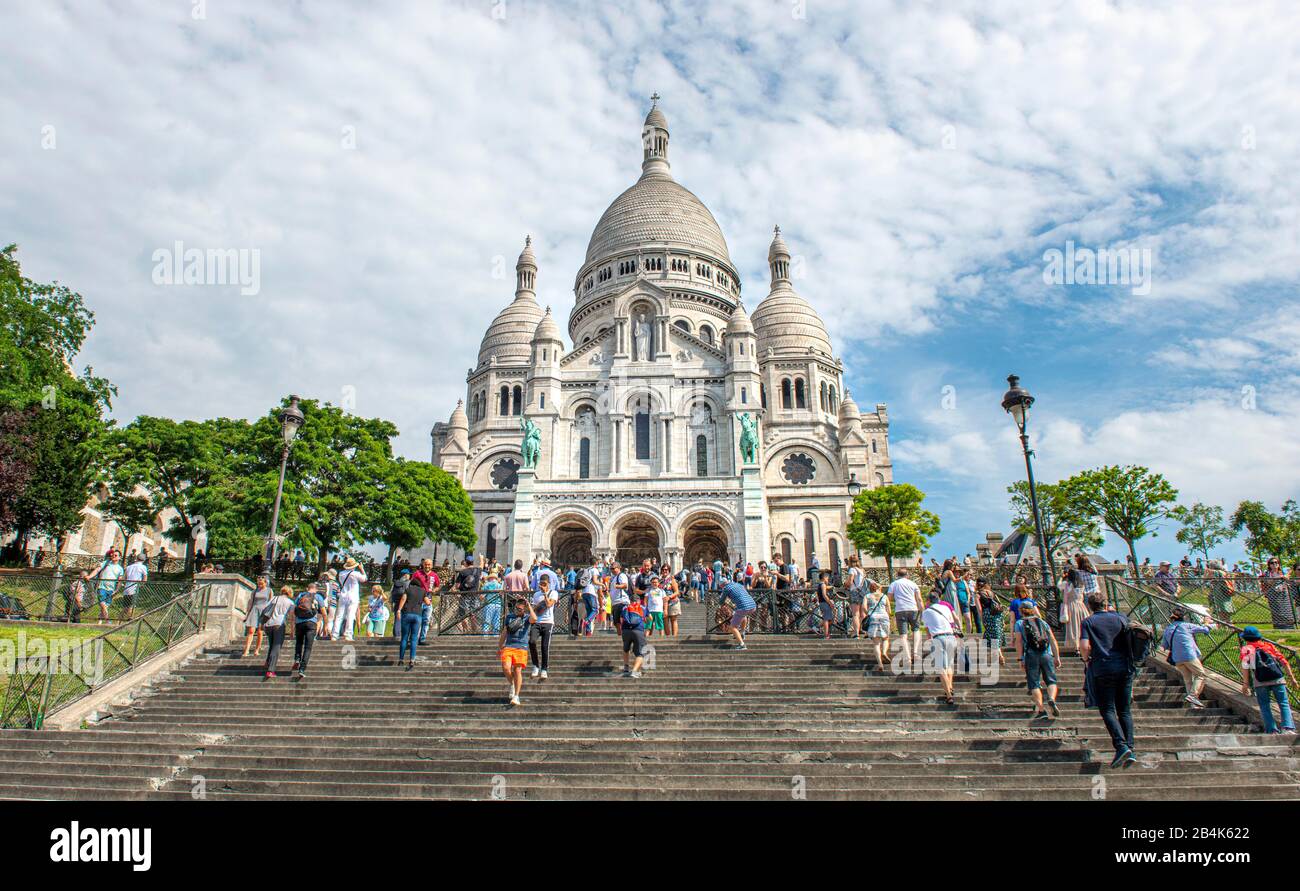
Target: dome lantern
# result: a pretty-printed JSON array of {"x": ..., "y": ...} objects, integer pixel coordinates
[{"x": 654, "y": 141}]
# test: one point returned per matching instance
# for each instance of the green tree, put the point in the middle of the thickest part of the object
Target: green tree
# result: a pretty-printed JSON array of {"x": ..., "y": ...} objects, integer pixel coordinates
[
  {"x": 334, "y": 482},
  {"x": 175, "y": 461},
  {"x": 1269, "y": 534},
  {"x": 1202, "y": 529},
  {"x": 419, "y": 502},
  {"x": 889, "y": 522},
  {"x": 1129, "y": 501},
  {"x": 53, "y": 418},
  {"x": 1065, "y": 526}
]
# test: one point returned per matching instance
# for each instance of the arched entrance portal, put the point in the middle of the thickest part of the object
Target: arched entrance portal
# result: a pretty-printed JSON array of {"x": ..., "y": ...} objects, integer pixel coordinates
[
  {"x": 637, "y": 540},
  {"x": 570, "y": 545},
  {"x": 704, "y": 541}
]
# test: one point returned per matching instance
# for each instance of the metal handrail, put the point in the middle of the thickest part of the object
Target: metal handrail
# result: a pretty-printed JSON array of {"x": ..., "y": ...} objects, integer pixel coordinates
[
  {"x": 1154, "y": 610},
  {"x": 26, "y": 706}
]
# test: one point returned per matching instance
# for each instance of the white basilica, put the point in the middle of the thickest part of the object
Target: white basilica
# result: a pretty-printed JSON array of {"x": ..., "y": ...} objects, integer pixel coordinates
[{"x": 640, "y": 419}]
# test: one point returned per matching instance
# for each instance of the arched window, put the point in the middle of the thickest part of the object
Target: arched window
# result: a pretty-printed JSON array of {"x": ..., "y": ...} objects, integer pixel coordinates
[
  {"x": 809, "y": 544},
  {"x": 835, "y": 399},
  {"x": 541, "y": 400},
  {"x": 584, "y": 459},
  {"x": 762, "y": 395},
  {"x": 642, "y": 433},
  {"x": 706, "y": 334},
  {"x": 683, "y": 325},
  {"x": 744, "y": 396},
  {"x": 787, "y": 552},
  {"x": 800, "y": 396},
  {"x": 834, "y": 545},
  {"x": 518, "y": 404},
  {"x": 491, "y": 532},
  {"x": 785, "y": 393},
  {"x": 505, "y": 401},
  {"x": 701, "y": 455},
  {"x": 821, "y": 397}
]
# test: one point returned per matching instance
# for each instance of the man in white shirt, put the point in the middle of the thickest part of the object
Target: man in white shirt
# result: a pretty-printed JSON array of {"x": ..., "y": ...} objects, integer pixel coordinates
[
  {"x": 543, "y": 599},
  {"x": 907, "y": 609},
  {"x": 618, "y": 595},
  {"x": 108, "y": 576},
  {"x": 136, "y": 573},
  {"x": 940, "y": 622}
]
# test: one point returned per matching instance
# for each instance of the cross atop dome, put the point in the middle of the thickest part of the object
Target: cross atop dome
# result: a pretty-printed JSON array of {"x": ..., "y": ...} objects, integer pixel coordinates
[{"x": 654, "y": 100}]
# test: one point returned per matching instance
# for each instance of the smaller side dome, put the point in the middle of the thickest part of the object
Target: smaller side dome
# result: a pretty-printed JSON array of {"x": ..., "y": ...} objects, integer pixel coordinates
[
  {"x": 547, "y": 330},
  {"x": 459, "y": 421},
  {"x": 739, "y": 323},
  {"x": 849, "y": 410}
]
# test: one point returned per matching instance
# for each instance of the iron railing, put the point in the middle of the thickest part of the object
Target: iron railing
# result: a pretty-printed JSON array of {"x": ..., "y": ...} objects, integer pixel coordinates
[
  {"x": 780, "y": 611},
  {"x": 60, "y": 671},
  {"x": 1220, "y": 649},
  {"x": 52, "y": 598}
]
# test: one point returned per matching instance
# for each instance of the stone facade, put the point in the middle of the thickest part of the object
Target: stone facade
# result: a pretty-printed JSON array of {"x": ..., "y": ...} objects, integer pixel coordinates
[{"x": 641, "y": 419}]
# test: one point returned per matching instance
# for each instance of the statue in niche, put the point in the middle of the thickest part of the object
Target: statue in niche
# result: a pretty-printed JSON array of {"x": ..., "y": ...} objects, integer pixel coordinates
[{"x": 641, "y": 338}]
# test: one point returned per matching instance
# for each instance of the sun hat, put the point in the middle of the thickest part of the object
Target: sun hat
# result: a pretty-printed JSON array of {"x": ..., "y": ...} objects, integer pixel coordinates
[{"x": 350, "y": 563}]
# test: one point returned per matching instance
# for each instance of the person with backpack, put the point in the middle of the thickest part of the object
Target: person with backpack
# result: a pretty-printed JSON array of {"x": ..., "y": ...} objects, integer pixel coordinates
[
  {"x": 1107, "y": 653},
  {"x": 410, "y": 609},
  {"x": 633, "y": 630},
  {"x": 1038, "y": 652},
  {"x": 1179, "y": 641},
  {"x": 1265, "y": 670},
  {"x": 400, "y": 586},
  {"x": 588, "y": 583},
  {"x": 306, "y": 612},
  {"x": 467, "y": 582}
]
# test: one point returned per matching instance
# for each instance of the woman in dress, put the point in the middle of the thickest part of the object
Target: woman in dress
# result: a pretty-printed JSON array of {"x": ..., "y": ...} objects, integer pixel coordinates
[
  {"x": 253, "y": 618},
  {"x": 673, "y": 596},
  {"x": 993, "y": 613},
  {"x": 875, "y": 606},
  {"x": 1074, "y": 609},
  {"x": 825, "y": 605}
]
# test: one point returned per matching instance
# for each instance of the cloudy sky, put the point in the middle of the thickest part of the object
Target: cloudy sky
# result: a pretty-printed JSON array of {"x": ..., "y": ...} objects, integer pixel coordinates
[{"x": 922, "y": 159}]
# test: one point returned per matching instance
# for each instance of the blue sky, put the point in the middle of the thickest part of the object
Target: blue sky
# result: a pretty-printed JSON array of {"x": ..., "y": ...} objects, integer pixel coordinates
[{"x": 920, "y": 159}]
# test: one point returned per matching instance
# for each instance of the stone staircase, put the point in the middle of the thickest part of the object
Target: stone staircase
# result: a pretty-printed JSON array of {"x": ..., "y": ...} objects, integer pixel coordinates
[{"x": 789, "y": 718}]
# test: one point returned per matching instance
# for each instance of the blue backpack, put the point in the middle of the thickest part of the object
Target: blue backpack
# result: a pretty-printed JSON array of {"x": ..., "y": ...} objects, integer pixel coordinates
[{"x": 632, "y": 619}]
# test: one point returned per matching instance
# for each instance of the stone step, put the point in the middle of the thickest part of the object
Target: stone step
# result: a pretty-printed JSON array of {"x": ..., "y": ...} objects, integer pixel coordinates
[{"x": 636, "y": 789}]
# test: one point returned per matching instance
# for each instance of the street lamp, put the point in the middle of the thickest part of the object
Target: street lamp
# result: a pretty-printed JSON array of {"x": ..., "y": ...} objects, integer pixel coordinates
[
  {"x": 854, "y": 486},
  {"x": 1017, "y": 402},
  {"x": 291, "y": 419}
]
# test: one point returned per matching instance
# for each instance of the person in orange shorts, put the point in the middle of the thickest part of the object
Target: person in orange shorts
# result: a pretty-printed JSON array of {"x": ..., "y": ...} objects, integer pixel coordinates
[{"x": 513, "y": 645}]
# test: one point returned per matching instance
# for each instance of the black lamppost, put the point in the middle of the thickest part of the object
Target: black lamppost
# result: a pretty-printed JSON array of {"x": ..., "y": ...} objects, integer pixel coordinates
[
  {"x": 1016, "y": 402},
  {"x": 854, "y": 486},
  {"x": 290, "y": 421}
]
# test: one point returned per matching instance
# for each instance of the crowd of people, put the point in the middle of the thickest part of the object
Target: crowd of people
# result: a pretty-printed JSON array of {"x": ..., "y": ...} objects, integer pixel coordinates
[{"x": 518, "y": 606}]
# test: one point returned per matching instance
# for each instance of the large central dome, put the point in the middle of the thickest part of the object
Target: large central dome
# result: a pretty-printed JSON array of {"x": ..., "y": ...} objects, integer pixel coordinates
[{"x": 657, "y": 210}]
